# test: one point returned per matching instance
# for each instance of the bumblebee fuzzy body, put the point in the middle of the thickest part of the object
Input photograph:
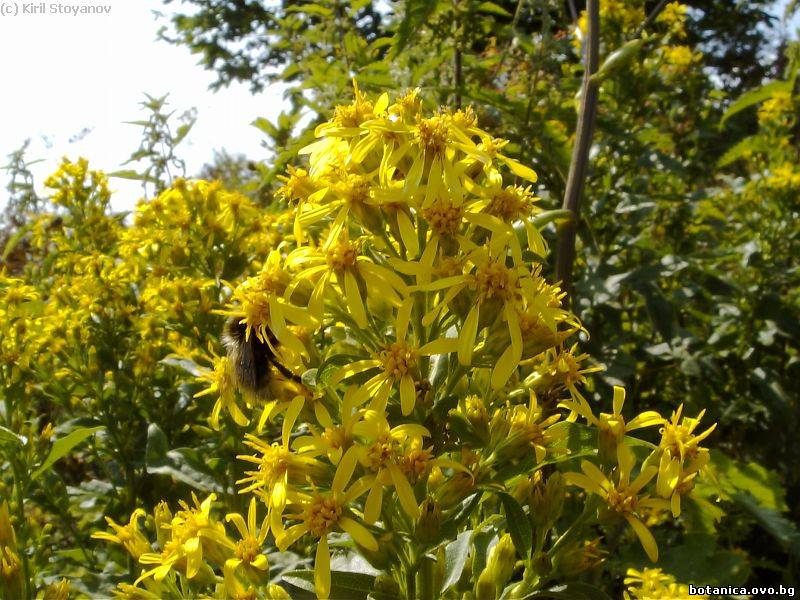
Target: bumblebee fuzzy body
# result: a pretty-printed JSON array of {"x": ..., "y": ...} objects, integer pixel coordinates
[{"x": 252, "y": 358}]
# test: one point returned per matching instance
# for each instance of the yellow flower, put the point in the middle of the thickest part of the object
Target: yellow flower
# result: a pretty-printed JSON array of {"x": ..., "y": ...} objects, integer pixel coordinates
[
  {"x": 128, "y": 536},
  {"x": 397, "y": 362},
  {"x": 525, "y": 428},
  {"x": 222, "y": 382},
  {"x": 678, "y": 438},
  {"x": 651, "y": 584},
  {"x": 320, "y": 513},
  {"x": 335, "y": 437},
  {"x": 193, "y": 531},
  {"x": 278, "y": 469},
  {"x": 613, "y": 425},
  {"x": 343, "y": 263},
  {"x": 380, "y": 450},
  {"x": 622, "y": 496},
  {"x": 248, "y": 548}
]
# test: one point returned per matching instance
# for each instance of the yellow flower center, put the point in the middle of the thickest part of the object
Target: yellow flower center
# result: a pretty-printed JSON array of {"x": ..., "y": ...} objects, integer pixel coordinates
[
  {"x": 298, "y": 186},
  {"x": 475, "y": 409},
  {"x": 342, "y": 255},
  {"x": 677, "y": 438},
  {"x": 380, "y": 453},
  {"x": 274, "y": 463},
  {"x": 398, "y": 359},
  {"x": 408, "y": 105},
  {"x": 511, "y": 203},
  {"x": 621, "y": 500},
  {"x": 465, "y": 118},
  {"x": 353, "y": 189},
  {"x": 444, "y": 217},
  {"x": 248, "y": 549},
  {"x": 322, "y": 514},
  {"x": 432, "y": 134},
  {"x": 273, "y": 280},
  {"x": 414, "y": 463},
  {"x": 613, "y": 424},
  {"x": 569, "y": 368},
  {"x": 353, "y": 115},
  {"x": 495, "y": 280}
]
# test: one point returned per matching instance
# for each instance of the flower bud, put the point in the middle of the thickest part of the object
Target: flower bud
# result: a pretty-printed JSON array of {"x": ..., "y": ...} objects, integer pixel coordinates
[
  {"x": 547, "y": 501},
  {"x": 162, "y": 516},
  {"x": 386, "y": 585},
  {"x": 429, "y": 521},
  {"x": 57, "y": 591},
  {"x": 485, "y": 588},
  {"x": 502, "y": 560},
  {"x": 276, "y": 592},
  {"x": 541, "y": 564}
]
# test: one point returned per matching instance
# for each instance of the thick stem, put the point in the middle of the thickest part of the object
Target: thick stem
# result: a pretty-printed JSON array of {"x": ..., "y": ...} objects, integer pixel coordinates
[{"x": 580, "y": 151}]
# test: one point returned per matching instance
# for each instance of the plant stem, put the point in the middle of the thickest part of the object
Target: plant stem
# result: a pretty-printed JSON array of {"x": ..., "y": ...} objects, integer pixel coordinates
[
  {"x": 580, "y": 151},
  {"x": 23, "y": 539}
]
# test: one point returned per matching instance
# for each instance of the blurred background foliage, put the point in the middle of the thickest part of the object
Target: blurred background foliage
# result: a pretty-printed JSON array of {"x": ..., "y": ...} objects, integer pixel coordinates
[{"x": 687, "y": 272}]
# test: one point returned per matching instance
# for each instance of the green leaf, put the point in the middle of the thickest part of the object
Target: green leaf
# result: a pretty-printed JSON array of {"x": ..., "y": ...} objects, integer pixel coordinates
[
  {"x": 182, "y": 464},
  {"x": 560, "y": 215},
  {"x": 15, "y": 239},
  {"x": 455, "y": 557},
  {"x": 735, "y": 476},
  {"x": 130, "y": 174},
  {"x": 344, "y": 584},
  {"x": 493, "y": 9},
  {"x": 742, "y": 149},
  {"x": 266, "y": 126},
  {"x": 182, "y": 132},
  {"x": 659, "y": 309},
  {"x": 571, "y": 591},
  {"x": 62, "y": 446},
  {"x": 618, "y": 59},
  {"x": 417, "y": 13},
  {"x": 9, "y": 437},
  {"x": 755, "y": 96},
  {"x": 517, "y": 524},
  {"x": 781, "y": 528},
  {"x": 157, "y": 445}
]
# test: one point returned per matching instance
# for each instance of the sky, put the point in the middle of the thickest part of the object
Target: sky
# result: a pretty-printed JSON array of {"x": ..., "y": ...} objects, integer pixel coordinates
[
  {"x": 65, "y": 73},
  {"x": 70, "y": 73}
]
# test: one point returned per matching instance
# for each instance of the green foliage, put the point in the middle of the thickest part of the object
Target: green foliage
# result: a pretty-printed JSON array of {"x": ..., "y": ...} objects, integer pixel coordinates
[{"x": 157, "y": 149}]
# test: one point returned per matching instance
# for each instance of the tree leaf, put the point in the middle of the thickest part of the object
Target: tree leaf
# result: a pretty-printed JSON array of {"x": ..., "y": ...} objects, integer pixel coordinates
[
  {"x": 62, "y": 446},
  {"x": 131, "y": 174},
  {"x": 571, "y": 591},
  {"x": 493, "y": 9},
  {"x": 344, "y": 584},
  {"x": 455, "y": 557},
  {"x": 751, "y": 97},
  {"x": 416, "y": 15},
  {"x": 517, "y": 524},
  {"x": 618, "y": 59},
  {"x": 9, "y": 437},
  {"x": 781, "y": 528}
]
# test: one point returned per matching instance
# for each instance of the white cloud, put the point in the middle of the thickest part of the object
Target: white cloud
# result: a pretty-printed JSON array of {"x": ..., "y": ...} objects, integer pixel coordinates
[{"x": 64, "y": 73}]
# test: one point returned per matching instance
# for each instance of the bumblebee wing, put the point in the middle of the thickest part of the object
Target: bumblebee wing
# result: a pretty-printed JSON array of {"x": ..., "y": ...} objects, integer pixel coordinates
[{"x": 247, "y": 366}]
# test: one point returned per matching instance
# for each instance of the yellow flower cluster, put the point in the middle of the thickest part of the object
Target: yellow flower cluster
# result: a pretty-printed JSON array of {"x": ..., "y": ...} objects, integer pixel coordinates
[
  {"x": 652, "y": 584},
  {"x": 678, "y": 59},
  {"x": 433, "y": 381},
  {"x": 187, "y": 542}
]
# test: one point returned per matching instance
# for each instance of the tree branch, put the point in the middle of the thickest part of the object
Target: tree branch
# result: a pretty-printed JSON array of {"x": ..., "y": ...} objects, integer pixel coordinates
[{"x": 580, "y": 151}]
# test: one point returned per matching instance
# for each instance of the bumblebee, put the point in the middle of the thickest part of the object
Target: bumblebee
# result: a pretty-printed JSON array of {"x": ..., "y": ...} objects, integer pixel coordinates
[{"x": 253, "y": 359}]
